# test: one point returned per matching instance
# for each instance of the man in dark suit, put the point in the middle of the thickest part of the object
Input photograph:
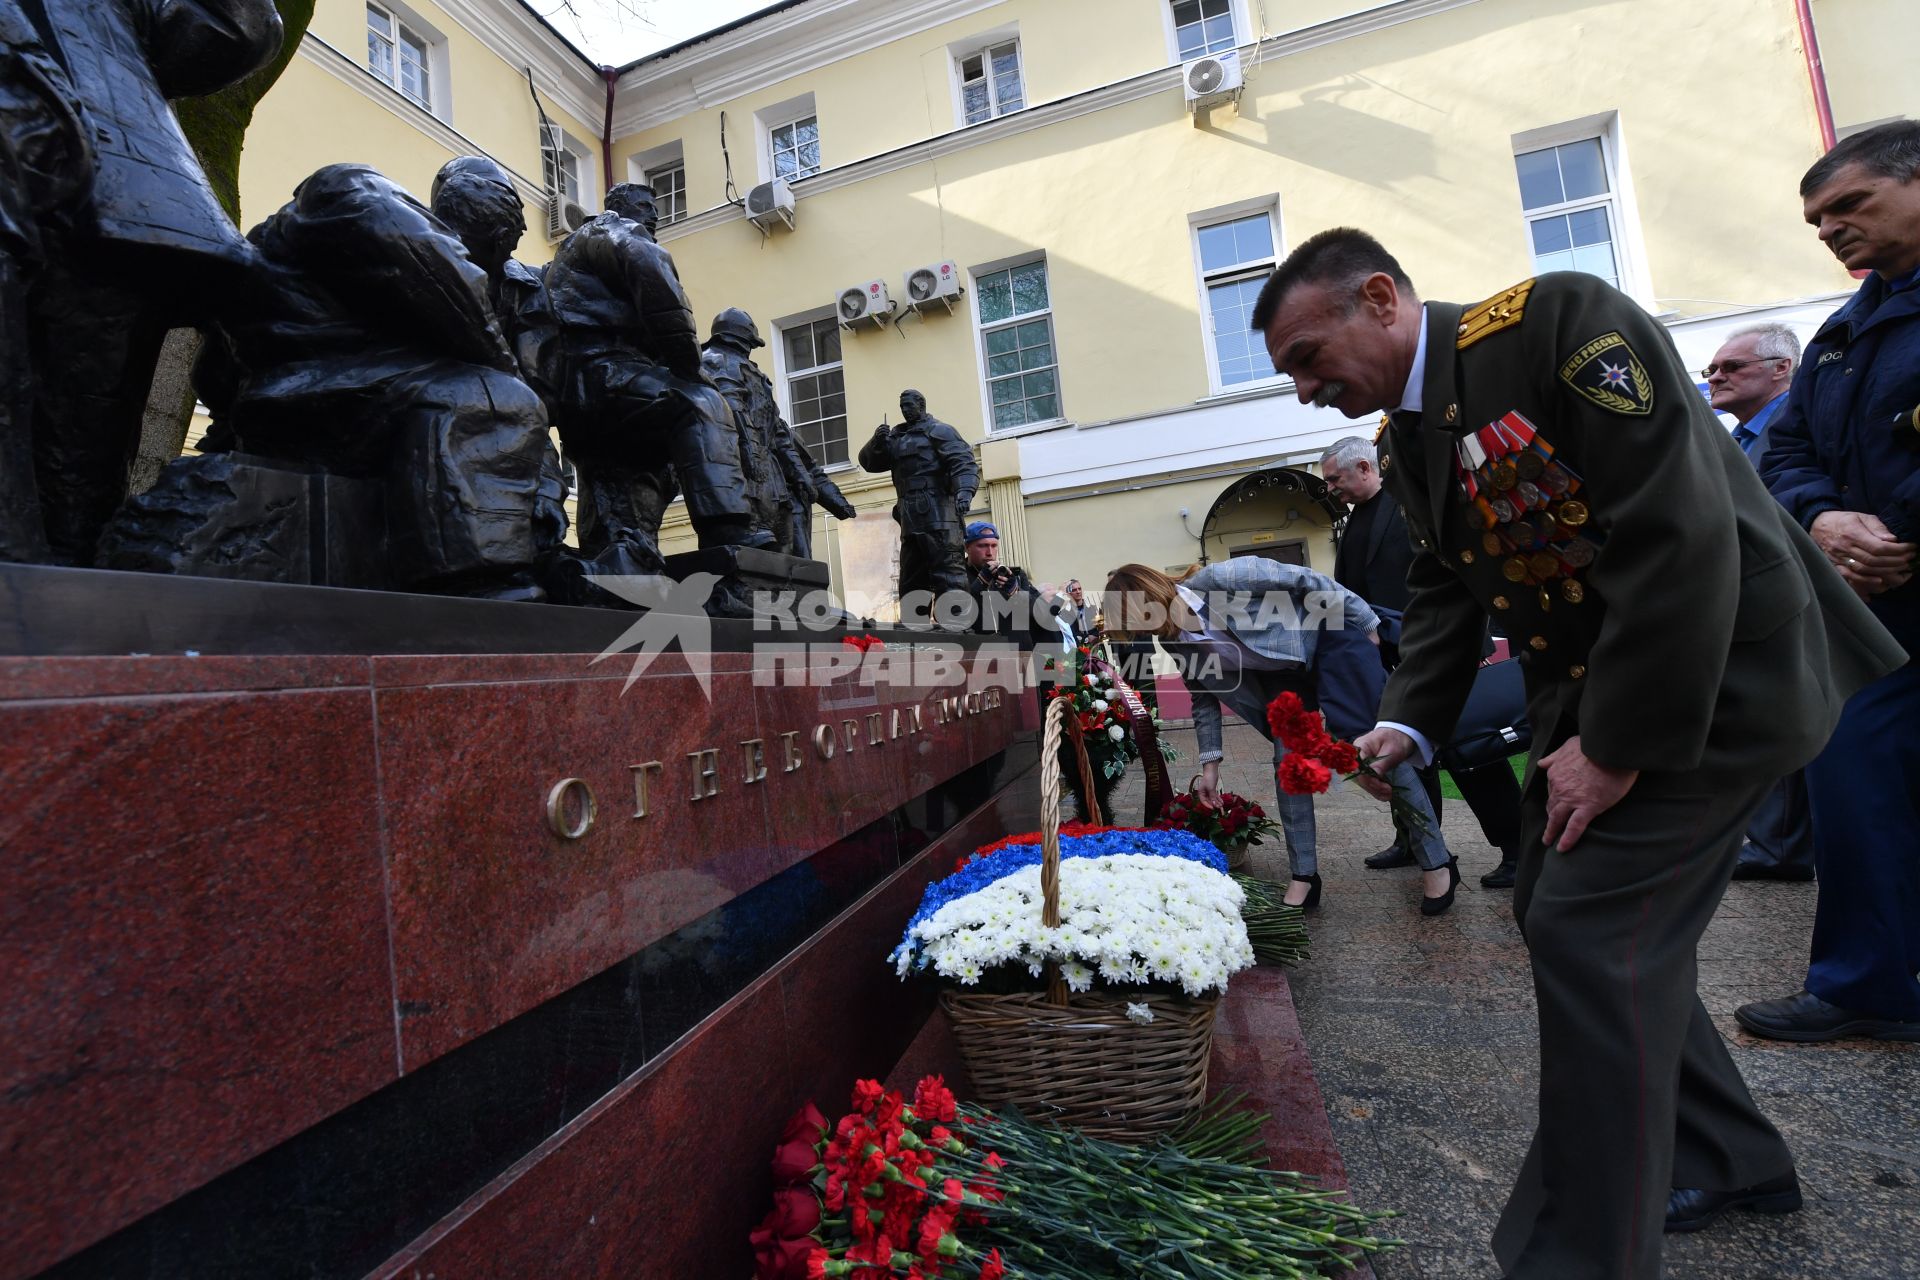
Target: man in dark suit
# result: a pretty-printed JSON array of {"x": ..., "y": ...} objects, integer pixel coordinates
[
  {"x": 1685, "y": 643},
  {"x": 1748, "y": 377},
  {"x": 1372, "y": 561}
]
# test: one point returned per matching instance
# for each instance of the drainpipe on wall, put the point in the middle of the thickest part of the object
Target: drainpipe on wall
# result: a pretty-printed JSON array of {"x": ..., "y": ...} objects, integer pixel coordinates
[
  {"x": 1816, "y": 73},
  {"x": 613, "y": 77}
]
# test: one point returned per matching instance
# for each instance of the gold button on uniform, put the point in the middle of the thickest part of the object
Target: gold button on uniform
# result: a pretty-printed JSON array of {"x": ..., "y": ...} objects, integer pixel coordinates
[
  {"x": 1538, "y": 642},
  {"x": 1576, "y": 671},
  {"x": 1501, "y": 602},
  {"x": 1466, "y": 557}
]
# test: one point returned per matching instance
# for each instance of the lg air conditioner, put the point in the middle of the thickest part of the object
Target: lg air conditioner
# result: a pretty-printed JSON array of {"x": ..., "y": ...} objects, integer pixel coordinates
[
  {"x": 869, "y": 301},
  {"x": 563, "y": 216},
  {"x": 770, "y": 202},
  {"x": 937, "y": 282},
  {"x": 1211, "y": 80}
]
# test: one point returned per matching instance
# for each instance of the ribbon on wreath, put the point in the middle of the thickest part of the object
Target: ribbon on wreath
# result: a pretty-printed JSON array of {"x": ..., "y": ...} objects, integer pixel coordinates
[{"x": 1147, "y": 739}]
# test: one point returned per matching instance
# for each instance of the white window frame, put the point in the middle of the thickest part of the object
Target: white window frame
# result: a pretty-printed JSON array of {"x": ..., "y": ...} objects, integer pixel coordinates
[
  {"x": 583, "y": 166},
  {"x": 981, "y": 45},
  {"x": 783, "y": 374},
  {"x": 1242, "y": 31},
  {"x": 669, "y": 200},
  {"x": 980, "y": 345},
  {"x": 781, "y": 115},
  {"x": 405, "y": 24},
  {"x": 1629, "y": 246},
  {"x": 641, "y": 166},
  {"x": 1269, "y": 205}
]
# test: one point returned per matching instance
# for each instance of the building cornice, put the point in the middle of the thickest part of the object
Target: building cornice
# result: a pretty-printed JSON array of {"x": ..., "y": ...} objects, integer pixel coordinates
[
  {"x": 342, "y": 67},
  {"x": 1160, "y": 80},
  {"x": 788, "y": 43},
  {"x": 518, "y": 37}
]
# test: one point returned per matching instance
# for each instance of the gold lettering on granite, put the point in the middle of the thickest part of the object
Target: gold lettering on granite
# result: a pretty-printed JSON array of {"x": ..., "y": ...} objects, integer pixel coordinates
[
  {"x": 706, "y": 773},
  {"x": 823, "y": 741},
  {"x": 873, "y": 728},
  {"x": 557, "y": 820},
  {"x": 755, "y": 757},
  {"x": 850, "y": 734},
  {"x": 790, "y": 750},
  {"x": 640, "y": 807}
]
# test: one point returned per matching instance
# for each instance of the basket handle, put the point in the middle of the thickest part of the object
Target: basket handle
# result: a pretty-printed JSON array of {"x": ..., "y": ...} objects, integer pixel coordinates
[{"x": 1059, "y": 715}]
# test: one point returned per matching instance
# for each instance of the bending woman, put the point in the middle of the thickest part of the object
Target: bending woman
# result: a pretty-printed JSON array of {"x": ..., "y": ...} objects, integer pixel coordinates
[{"x": 1249, "y": 628}]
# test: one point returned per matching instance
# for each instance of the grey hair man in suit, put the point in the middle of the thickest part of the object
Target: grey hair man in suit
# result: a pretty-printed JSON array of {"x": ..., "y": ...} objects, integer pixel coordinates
[{"x": 1748, "y": 378}]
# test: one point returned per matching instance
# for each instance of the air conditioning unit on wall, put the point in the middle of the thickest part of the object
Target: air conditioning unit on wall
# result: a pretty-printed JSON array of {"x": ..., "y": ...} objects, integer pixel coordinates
[
  {"x": 937, "y": 282},
  {"x": 768, "y": 203},
  {"x": 869, "y": 301},
  {"x": 1211, "y": 80},
  {"x": 564, "y": 217}
]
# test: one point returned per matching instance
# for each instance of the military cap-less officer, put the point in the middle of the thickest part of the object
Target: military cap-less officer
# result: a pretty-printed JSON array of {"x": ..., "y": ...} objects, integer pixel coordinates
[
  {"x": 934, "y": 477},
  {"x": 1685, "y": 643}
]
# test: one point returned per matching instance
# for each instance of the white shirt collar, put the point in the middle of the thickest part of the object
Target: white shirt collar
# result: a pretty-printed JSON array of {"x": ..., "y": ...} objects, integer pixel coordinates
[{"x": 1410, "y": 399}]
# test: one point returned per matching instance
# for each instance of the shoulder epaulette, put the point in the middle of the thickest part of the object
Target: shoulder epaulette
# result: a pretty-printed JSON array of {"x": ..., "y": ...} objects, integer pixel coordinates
[
  {"x": 1502, "y": 311},
  {"x": 1380, "y": 432}
]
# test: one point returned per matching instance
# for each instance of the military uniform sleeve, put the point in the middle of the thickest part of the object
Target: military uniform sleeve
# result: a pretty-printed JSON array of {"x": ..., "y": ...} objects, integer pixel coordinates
[
  {"x": 1791, "y": 466},
  {"x": 1668, "y": 568},
  {"x": 877, "y": 453},
  {"x": 1440, "y": 643}
]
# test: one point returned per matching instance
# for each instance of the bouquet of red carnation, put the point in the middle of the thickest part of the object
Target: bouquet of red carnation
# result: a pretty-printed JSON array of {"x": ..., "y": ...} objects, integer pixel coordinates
[
  {"x": 886, "y": 1192},
  {"x": 1314, "y": 756},
  {"x": 923, "y": 1192},
  {"x": 1232, "y": 826}
]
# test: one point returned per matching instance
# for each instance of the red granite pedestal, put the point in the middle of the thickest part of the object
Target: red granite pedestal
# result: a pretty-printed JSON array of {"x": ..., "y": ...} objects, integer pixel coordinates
[{"x": 254, "y": 909}]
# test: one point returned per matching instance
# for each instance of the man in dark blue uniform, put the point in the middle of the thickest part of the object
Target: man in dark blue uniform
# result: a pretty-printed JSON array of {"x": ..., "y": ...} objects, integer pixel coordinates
[{"x": 1845, "y": 461}]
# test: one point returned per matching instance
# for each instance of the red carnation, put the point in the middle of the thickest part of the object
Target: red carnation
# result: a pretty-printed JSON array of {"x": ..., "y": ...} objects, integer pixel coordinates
[
  {"x": 867, "y": 1095},
  {"x": 932, "y": 1100},
  {"x": 1341, "y": 757},
  {"x": 1283, "y": 710},
  {"x": 1302, "y": 776}
]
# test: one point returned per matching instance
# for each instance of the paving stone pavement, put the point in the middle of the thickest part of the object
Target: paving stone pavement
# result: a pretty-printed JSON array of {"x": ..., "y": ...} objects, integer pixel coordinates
[{"x": 1422, "y": 1034}]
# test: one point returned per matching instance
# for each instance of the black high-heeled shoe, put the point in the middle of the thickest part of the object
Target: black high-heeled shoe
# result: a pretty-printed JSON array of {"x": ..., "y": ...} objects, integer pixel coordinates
[
  {"x": 1312, "y": 899},
  {"x": 1439, "y": 905}
]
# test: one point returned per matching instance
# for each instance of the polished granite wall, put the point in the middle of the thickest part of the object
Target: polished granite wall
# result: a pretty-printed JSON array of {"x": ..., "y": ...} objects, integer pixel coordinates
[{"x": 297, "y": 964}]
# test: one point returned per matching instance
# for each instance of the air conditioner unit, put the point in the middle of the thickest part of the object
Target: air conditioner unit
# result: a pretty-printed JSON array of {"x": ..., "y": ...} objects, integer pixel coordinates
[
  {"x": 563, "y": 216},
  {"x": 869, "y": 301},
  {"x": 935, "y": 282},
  {"x": 1211, "y": 80},
  {"x": 768, "y": 203}
]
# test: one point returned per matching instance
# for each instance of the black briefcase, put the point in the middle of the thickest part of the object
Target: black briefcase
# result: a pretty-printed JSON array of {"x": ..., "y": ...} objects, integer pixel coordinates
[{"x": 1493, "y": 724}]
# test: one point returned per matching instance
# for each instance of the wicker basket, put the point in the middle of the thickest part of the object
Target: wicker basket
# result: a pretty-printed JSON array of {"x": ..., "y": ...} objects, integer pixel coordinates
[{"x": 1078, "y": 1059}]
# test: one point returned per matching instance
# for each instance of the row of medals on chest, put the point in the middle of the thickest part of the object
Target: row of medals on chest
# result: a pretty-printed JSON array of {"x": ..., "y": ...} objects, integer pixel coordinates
[{"x": 1524, "y": 502}]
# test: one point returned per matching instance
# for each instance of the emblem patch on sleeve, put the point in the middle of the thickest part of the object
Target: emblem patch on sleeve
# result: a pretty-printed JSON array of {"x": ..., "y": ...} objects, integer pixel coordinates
[{"x": 1607, "y": 372}]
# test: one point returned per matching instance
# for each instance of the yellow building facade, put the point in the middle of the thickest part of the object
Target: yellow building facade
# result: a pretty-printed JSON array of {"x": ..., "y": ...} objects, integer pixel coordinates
[{"x": 1107, "y": 181}]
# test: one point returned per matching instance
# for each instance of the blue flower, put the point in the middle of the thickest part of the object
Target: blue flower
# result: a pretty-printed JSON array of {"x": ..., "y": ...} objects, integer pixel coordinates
[{"x": 981, "y": 872}]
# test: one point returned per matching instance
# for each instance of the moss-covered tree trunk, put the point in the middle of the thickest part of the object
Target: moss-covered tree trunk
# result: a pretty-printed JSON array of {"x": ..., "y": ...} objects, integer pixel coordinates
[{"x": 216, "y": 126}]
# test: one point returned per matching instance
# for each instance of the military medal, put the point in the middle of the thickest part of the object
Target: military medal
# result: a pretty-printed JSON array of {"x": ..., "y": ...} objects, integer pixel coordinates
[
  {"x": 1571, "y": 513},
  {"x": 1503, "y": 510},
  {"x": 1514, "y": 569},
  {"x": 1530, "y": 465},
  {"x": 1546, "y": 601},
  {"x": 1545, "y": 564},
  {"x": 1530, "y": 494},
  {"x": 1555, "y": 481},
  {"x": 1493, "y": 542},
  {"x": 1578, "y": 552},
  {"x": 1504, "y": 476},
  {"x": 1574, "y": 590}
]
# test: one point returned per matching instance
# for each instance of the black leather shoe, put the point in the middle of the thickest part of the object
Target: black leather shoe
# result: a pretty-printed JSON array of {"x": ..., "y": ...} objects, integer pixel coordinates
[
  {"x": 1754, "y": 869},
  {"x": 1804, "y": 1017},
  {"x": 1312, "y": 899},
  {"x": 1438, "y": 906},
  {"x": 1501, "y": 877},
  {"x": 1388, "y": 858},
  {"x": 1689, "y": 1208}
]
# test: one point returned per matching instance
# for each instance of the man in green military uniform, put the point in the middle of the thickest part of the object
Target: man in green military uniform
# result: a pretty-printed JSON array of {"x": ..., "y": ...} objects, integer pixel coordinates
[{"x": 1685, "y": 644}]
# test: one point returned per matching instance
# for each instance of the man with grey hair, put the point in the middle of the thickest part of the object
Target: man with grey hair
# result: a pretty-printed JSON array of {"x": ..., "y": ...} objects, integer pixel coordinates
[{"x": 1748, "y": 377}]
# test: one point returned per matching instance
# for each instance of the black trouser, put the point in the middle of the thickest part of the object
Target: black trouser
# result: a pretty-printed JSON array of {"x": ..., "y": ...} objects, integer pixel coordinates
[
  {"x": 1491, "y": 792},
  {"x": 1637, "y": 1091}
]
